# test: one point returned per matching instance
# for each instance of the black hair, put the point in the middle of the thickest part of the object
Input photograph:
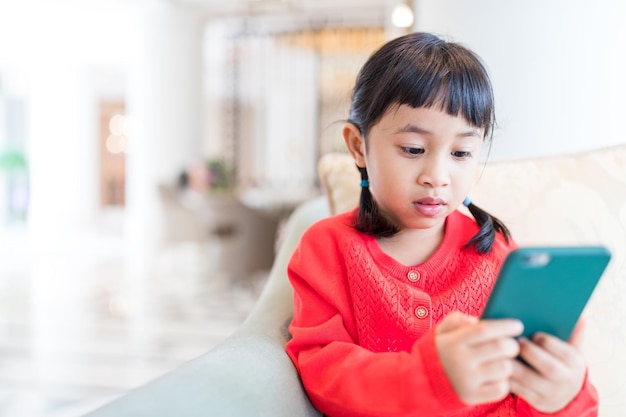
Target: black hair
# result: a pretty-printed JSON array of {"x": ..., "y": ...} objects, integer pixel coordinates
[{"x": 423, "y": 70}]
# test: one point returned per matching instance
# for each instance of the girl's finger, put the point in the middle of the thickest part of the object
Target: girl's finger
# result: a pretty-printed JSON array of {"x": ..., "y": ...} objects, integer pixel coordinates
[
  {"x": 576, "y": 339},
  {"x": 527, "y": 377},
  {"x": 527, "y": 392},
  {"x": 559, "y": 349},
  {"x": 493, "y": 391},
  {"x": 488, "y": 330},
  {"x": 454, "y": 321},
  {"x": 539, "y": 357},
  {"x": 497, "y": 370},
  {"x": 497, "y": 349}
]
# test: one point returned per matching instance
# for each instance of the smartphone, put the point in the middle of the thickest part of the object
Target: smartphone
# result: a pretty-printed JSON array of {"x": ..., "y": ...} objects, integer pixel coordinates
[{"x": 547, "y": 288}]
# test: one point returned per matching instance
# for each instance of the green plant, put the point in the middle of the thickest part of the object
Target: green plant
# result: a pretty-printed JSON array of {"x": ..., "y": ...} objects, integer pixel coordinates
[
  {"x": 220, "y": 175},
  {"x": 12, "y": 161}
]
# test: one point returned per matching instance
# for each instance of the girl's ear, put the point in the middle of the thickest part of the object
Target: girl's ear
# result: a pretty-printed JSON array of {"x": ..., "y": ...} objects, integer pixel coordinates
[{"x": 355, "y": 143}]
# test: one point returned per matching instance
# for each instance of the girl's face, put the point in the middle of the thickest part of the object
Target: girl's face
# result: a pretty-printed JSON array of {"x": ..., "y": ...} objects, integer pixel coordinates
[{"x": 421, "y": 163}]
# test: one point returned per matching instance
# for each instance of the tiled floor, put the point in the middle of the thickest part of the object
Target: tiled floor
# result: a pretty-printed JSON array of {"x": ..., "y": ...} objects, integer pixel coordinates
[{"x": 80, "y": 325}]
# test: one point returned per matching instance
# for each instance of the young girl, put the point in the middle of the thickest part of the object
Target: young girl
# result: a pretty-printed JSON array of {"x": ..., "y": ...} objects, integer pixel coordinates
[{"x": 387, "y": 296}]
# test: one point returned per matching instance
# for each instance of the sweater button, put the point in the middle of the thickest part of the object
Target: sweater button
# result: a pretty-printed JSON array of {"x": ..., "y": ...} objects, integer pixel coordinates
[
  {"x": 421, "y": 312},
  {"x": 413, "y": 275}
]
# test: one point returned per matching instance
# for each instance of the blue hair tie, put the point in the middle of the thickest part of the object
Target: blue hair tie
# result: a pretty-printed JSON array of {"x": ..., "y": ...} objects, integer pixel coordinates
[
  {"x": 365, "y": 183},
  {"x": 467, "y": 201}
]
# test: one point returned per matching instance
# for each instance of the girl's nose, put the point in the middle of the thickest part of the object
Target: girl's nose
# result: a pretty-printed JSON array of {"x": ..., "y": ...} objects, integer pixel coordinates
[{"x": 434, "y": 173}]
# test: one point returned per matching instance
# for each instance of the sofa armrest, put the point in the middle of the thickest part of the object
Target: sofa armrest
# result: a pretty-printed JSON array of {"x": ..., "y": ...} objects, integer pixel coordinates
[{"x": 249, "y": 373}]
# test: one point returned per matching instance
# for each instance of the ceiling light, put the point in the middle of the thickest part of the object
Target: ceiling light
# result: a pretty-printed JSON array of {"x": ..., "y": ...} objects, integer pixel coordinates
[{"x": 402, "y": 16}]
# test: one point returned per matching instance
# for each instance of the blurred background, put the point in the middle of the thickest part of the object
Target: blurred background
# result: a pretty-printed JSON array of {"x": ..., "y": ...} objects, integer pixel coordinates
[{"x": 151, "y": 149}]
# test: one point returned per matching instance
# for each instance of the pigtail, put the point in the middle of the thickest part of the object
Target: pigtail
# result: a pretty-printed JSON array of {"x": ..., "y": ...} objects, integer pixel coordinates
[
  {"x": 489, "y": 226},
  {"x": 369, "y": 219}
]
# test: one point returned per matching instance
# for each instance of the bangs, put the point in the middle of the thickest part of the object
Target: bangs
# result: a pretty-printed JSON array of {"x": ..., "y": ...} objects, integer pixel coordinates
[
  {"x": 432, "y": 74},
  {"x": 458, "y": 88}
]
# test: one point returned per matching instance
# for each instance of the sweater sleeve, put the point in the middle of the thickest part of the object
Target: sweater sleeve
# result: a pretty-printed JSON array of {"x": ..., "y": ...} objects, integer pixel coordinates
[
  {"x": 585, "y": 404},
  {"x": 342, "y": 378}
]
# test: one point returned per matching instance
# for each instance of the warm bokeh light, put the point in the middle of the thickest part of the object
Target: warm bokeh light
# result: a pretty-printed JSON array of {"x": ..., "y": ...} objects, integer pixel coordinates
[
  {"x": 117, "y": 141},
  {"x": 116, "y": 144},
  {"x": 402, "y": 16},
  {"x": 118, "y": 125}
]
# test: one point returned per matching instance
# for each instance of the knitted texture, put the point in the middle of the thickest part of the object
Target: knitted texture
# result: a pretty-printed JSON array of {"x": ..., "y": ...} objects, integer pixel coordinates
[
  {"x": 385, "y": 302},
  {"x": 363, "y": 328}
]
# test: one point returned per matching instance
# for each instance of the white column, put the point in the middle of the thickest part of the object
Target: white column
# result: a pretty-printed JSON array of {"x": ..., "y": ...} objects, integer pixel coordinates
[
  {"x": 289, "y": 162},
  {"x": 164, "y": 101},
  {"x": 61, "y": 146}
]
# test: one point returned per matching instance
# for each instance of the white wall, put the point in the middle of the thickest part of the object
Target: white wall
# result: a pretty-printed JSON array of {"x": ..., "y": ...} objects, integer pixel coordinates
[
  {"x": 63, "y": 57},
  {"x": 557, "y": 67},
  {"x": 52, "y": 55}
]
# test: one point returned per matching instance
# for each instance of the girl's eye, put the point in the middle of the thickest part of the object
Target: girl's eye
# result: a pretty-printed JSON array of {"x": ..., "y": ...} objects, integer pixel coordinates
[
  {"x": 412, "y": 151},
  {"x": 462, "y": 154}
]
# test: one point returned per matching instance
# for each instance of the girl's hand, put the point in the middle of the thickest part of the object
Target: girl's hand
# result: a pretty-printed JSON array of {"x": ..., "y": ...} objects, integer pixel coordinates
[
  {"x": 478, "y": 356},
  {"x": 556, "y": 373}
]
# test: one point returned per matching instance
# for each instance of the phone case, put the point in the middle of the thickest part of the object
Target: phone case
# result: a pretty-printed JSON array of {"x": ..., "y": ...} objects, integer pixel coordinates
[{"x": 547, "y": 288}]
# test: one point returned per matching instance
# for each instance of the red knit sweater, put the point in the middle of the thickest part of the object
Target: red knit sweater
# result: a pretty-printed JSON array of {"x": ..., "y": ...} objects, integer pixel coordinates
[{"x": 363, "y": 340}]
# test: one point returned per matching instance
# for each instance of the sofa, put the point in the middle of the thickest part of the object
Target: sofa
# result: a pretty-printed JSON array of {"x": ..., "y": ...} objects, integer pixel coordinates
[{"x": 558, "y": 200}]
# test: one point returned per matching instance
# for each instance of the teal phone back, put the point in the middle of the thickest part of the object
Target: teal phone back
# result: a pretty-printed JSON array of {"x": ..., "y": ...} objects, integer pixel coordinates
[{"x": 547, "y": 288}]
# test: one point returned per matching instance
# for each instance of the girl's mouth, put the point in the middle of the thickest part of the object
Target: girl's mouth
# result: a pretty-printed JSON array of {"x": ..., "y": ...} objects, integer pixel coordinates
[{"x": 429, "y": 207}]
